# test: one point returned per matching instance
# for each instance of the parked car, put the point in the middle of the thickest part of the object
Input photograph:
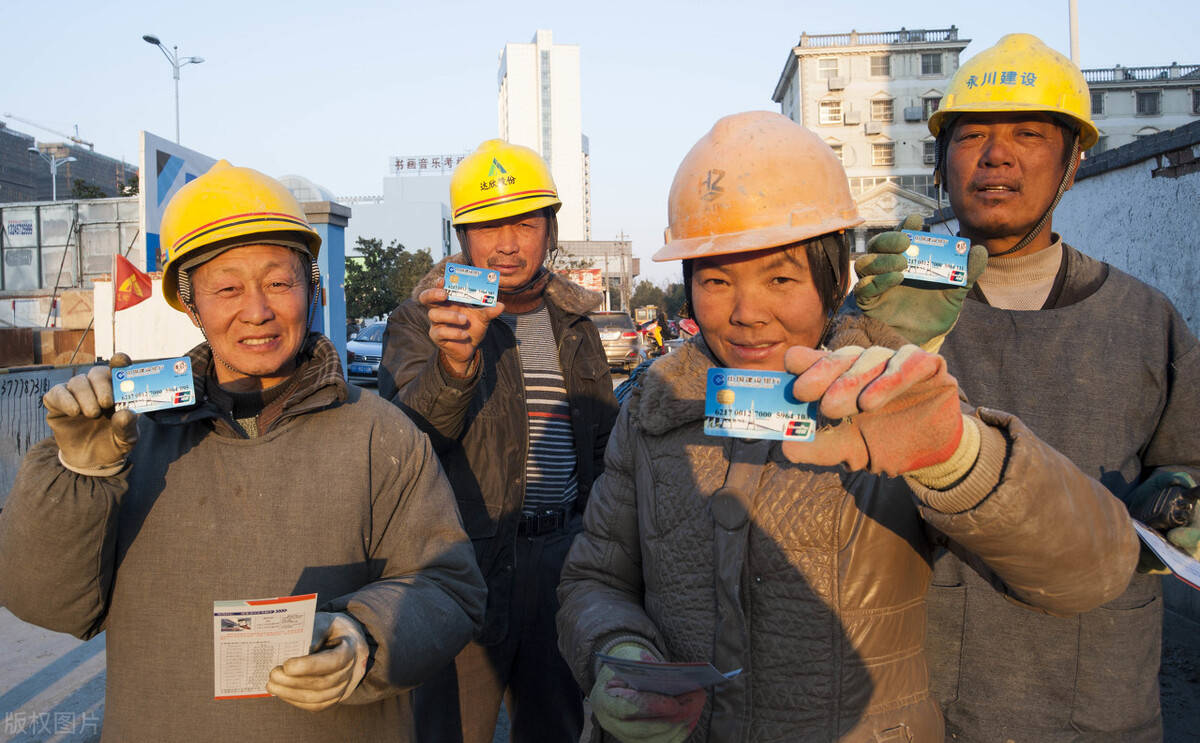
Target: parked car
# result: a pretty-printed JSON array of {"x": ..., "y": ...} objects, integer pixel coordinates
[
  {"x": 622, "y": 342},
  {"x": 364, "y": 353}
]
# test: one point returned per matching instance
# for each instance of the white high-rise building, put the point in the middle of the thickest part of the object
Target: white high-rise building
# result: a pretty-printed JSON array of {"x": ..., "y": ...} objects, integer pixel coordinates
[{"x": 539, "y": 107}]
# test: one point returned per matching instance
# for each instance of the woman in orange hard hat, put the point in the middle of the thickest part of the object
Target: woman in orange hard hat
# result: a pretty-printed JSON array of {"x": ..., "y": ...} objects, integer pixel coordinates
[{"x": 798, "y": 550}]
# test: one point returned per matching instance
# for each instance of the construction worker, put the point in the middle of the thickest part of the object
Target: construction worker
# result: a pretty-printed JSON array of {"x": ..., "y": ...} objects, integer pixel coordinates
[
  {"x": 280, "y": 480},
  {"x": 518, "y": 401},
  {"x": 769, "y": 557},
  {"x": 1100, "y": 365}
]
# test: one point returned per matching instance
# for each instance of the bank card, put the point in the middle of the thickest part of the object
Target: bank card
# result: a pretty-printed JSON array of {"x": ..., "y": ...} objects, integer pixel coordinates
[
  {"x": 154, "y": 385},
  {"x": 941, "y": 259},
  {"x": 669, "y": 679},
  {"x": 752, "y": 404},
  {"x": 471, "y": 285}
]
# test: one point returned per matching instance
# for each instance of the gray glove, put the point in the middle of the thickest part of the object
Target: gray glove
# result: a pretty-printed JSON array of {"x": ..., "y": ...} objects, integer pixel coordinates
[
  {"x": 93, "y": 439},
  {"x": 923, "y": 316}
]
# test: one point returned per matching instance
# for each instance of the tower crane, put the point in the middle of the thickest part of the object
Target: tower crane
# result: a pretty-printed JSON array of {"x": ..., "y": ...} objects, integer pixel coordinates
[{"x": 74, "y": 139}]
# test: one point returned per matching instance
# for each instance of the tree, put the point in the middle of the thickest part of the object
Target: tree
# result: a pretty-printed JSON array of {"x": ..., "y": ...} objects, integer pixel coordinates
[
  {"x": 646, "y": 293},
  {"x": 674, "y": 299},
  {"x": 382, "y": 277},
  {"x": 81, "y": 189},
  {"x": 130, "y": 187}
]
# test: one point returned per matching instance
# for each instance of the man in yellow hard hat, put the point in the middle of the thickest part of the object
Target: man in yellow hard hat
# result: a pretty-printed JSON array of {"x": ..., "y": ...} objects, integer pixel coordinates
[
  {"x": 281, "y": 480},
  {"x": 1098, "y": 364},
  {"x": 518, "y": 401}
]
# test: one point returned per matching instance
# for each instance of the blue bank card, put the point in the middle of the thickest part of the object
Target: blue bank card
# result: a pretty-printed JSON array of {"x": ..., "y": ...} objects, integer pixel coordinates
[
  {"x": 154, "y": 385},
  {"x": 471, "y": 285},
  {"x": 941, "y": 259},
  {"x": 752, "y": 404}
]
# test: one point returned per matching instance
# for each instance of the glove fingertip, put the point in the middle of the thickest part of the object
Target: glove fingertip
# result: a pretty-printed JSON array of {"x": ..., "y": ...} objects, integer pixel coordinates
[{"x": 119, "y": 359}]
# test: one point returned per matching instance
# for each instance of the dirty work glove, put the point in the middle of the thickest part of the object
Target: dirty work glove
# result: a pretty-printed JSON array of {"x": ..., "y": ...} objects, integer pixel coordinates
[
  {"x": 642, "y": 716},
  {"x": 1166, "y": 502},
  {"x": 93, "y": 439},
  {"x": 894, "y": 412},
  {"x": 923, "y": 316},
  {"x": 336, "y": 663}
]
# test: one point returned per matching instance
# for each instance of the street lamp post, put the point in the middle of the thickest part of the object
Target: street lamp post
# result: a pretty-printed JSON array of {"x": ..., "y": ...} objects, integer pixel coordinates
[
  {"x": 176, "y": 62},
  {"x": 54, "y": 163}
]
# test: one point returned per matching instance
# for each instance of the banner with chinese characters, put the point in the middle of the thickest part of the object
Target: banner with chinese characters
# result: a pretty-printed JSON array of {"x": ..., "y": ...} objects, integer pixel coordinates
[{"x": 416, "y": 164}]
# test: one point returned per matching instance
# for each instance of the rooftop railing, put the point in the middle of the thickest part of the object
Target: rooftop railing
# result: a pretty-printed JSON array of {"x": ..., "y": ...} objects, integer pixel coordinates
[
  {"x": 1120, "y": 74},
  {"x": 903, "y": 36}
]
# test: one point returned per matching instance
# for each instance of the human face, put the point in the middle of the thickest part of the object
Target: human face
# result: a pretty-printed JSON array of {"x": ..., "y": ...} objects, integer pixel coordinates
[
  {"x": 1002, "y": 173},
  {"x": 514, "y": 247},
  {"x": 252, "y": 302},
  {"x": 753, "y": 307}
]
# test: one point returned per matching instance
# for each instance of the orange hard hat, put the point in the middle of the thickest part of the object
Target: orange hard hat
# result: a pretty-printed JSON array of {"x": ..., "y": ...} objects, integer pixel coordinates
[{"x": 756, "y": 180}]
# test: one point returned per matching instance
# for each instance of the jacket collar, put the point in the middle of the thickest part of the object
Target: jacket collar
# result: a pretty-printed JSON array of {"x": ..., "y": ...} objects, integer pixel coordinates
[
  {"x": 319, "y": 383},
  {"x": 673, "y": 387},
  {"x": 560, "y": 292}
]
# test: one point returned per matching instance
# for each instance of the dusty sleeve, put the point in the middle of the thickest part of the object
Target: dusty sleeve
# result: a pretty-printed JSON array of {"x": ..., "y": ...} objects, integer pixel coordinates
[
  {"x": 58, "y": 535},
  {"x": 411, "y": 377},
  {"x": 1175, "y": 444},
  {"x": 426, "y": 596},
  {"x": 1045, "y": 534},
  {"x": 600, "y": 595}
]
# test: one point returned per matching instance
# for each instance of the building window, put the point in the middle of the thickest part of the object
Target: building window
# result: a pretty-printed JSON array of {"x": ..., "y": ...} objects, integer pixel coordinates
[
  {"x": 546, "y": 109},
  {"x": 881, "y": 66},
  {"x": 931, "y": 63},
  {"x": 1144, "y": 132},
  {"x": 928, "y": 106},
  {"x": 837, "y": 150},
  {"x": 831, "y": 113},
  {"x": 827, "y": 67},
  {"x": 1196, "y": 100},
  {"x": 883, "y": 154},
  {"x": 1097, "y": 103},
  {"x": 1149, "y": 102},
  {"x": 929, "y": 156},
  {"x": 882, "y": 109}
]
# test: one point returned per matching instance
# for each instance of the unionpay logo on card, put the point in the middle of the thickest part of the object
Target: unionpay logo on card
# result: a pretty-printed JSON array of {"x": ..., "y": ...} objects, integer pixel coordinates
[
  {"x": 753, "y": 404},
  {"x": 155, "y": 385},
  {"x": 941, "y": 259},
  {"x": 471, "y": 285}
]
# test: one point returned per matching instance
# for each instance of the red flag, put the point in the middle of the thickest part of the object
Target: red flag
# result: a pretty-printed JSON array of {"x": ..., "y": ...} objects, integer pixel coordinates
[{"x": 132, "y": 285}]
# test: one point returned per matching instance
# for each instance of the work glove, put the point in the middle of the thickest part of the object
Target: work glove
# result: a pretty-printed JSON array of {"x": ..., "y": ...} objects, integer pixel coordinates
[
  {"x": 336, "y": 663},
  {"x": 1166, "y": 502},
  {"x": 922, "y": 315},
  {"x": 896, "y": 412},
  {"x": 93, "y": 438},
  {"x": 642, "y": 716}
]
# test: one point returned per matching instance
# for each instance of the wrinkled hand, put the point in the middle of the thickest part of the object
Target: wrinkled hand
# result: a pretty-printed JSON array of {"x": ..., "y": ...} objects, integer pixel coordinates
[
  {"x": 331, "y": 672},
  {"x": 456, "y": 329},
  {"x": 923, "y": 316},
  {"x": 93, "y": 438},
  {"x": 898, "y": 410},
  {"x": 630, "y": 715}
]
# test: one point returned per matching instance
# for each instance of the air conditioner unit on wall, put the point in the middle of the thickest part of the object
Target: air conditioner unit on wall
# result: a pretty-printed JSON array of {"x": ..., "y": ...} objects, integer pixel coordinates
[
  {"x": 912, "y": 113},
  {"x": 873, "y": 127},
  {"x": 837, "y": 83},
  {"x": 929, "y": 159},
  {"x": 851, "y": 118}
]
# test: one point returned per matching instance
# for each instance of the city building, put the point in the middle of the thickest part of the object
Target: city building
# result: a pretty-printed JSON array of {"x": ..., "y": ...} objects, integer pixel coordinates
[
  {"x": 25, "y": 176},
  {"x": 869, "y": 96},
  {"x": 1129, "y": 103},
  {"x": 539, "y": 107},
  {"x": 413, "y": 210},
  {"x": 605, "y": 266}
]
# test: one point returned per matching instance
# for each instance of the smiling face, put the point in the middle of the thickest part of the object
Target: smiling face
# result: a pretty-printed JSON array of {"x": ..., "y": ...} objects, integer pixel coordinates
[
  {"x": 1002, "y": 173},
  {"x": 752, "y": 307},
  {"x": 514, "y": 247},
  {"x": 253, "y": 304}
]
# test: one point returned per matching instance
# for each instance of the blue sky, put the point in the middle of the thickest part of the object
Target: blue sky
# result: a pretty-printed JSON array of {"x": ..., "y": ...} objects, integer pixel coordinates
[{"x": 331, "y": 90}]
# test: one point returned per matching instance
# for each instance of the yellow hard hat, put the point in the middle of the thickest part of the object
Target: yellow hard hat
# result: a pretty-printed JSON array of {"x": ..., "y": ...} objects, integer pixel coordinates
[
  {"x": 756, "y": 180},
  {"x": 227, "y": 202},
  {"x": 500, "y": 180},
  {"x": 1019, "y": 73}
]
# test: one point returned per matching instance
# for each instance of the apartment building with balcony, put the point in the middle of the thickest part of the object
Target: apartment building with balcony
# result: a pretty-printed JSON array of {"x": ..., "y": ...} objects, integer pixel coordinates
[
  {"x": 869, "y": 96},
  {"x": 1129, "y": 103}
]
